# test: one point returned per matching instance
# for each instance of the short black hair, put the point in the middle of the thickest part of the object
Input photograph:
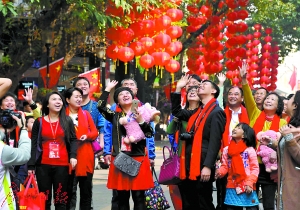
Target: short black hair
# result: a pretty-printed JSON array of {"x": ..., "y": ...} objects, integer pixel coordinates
[
  {"x": 262, "y": 88},
  {"x": 280, "y": 105},
  {"x": 196, "y": 77},
  {"x": 249, "y": 135},
  {"x": 290, "y": 96},
  {"x": 215, "y": 86},
  {"x": 241, "y": 90},
  {"x": 25, "y": 103},
  {"x": 69, "y": 92},
  {"x": 80, "y": 78},
  {"x": 27, "y": 118},
  {"x": 9, "y": 94}
]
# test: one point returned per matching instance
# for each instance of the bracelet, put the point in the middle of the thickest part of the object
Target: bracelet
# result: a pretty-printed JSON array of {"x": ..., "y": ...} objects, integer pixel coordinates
[
  {"x": 289, "y": 137},
  {"x": 32, "y": 104}
]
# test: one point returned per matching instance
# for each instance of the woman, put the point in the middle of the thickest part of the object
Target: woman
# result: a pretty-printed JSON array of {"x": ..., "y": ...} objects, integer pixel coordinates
[
  {"x": 267, "y": 119},
  {"x": 52, "y": 149},
  {"x": 176, "y": 127},
  {"x": 117, "y": 179},
  {"x": 86, "y": 132},
  {"x": 288, "y": 149}
]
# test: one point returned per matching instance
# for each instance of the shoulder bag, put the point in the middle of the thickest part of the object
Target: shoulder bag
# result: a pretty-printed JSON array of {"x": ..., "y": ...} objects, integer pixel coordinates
[{"x": 124, "y": 162}]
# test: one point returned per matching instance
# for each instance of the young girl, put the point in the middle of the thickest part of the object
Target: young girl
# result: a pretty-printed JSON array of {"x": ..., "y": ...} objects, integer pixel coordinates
[{"x": 239, "y": 160}]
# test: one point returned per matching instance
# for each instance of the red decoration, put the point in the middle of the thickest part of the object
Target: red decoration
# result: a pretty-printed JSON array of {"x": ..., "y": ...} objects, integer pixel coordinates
[
  {"x": 137, "y": 47},
  {"x": 112, "y": 51},
  {"x": 148, "y": 43},
  {"x": 172, "y": 66},
  {"x": 174, "y": 32},
  {"x": 125, "y": 54},
  {"x": 175, "y": 14}
]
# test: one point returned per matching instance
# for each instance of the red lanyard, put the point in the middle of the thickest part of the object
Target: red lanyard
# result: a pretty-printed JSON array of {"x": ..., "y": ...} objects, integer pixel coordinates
[{"x": 53, "y": 133}]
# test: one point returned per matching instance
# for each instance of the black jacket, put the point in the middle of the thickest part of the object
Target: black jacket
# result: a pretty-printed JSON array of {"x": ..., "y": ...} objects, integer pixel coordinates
[
  {"x": 36, "y": 155},
  {"x": 118, "y": 130}
]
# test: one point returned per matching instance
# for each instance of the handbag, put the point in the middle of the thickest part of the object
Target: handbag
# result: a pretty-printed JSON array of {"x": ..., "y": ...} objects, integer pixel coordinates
[
  {"x": 154, "y": 197},
  {"x": 31, "y": 198},
  {"x": 127, "y": 164},
  {"x": 169, "y": 171},
  {"x": 95, "y": 144}
]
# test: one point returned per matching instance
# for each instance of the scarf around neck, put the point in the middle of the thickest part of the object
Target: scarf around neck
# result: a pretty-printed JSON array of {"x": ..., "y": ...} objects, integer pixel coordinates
[
  {"x": 196, "y": 121},
  {"x": 237, "y": 165},
  {"x": 243, "y": 118}
]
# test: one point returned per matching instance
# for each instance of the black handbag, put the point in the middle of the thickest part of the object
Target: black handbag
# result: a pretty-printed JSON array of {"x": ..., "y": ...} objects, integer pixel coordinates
[
  {"x": 127, "y": 164},
  {"x": 124, "y": 162}
]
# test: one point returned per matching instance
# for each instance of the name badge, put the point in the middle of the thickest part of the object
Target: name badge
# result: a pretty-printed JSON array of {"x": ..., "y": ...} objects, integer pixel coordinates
[{"x": 53, "y": 150}]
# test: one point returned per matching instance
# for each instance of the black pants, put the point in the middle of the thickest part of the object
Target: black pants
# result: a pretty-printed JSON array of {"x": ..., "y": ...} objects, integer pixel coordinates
[
  {"x": 138, "y": 197},
  {"x": 221, "y": 193},
  {"x": 196, "y": 195},
  {"x": 241, "y": 208},
  {"x": 49, "y": 176},
  {"x": 268, "y": 194},
  {"x": 115, "y": 200},
  {"x": 85, "y": 186}
]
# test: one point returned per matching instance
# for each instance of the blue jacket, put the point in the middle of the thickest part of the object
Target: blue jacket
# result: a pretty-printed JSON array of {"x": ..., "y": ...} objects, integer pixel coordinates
[{"x": 108, "y": 139}]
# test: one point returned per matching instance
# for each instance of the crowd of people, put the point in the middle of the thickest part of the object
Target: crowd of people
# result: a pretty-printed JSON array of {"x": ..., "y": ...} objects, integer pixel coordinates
[{"x": 215, "y": 141}]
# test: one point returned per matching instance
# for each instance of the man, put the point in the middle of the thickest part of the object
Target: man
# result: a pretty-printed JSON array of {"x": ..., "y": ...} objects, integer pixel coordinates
[
  {"x": 91, "y": 106},
  {"x": 235, "y": 113},
  {"x": 259, "y": 96},
  {"x": 130, "y": 83},
  {"x": 198, "y": 166}
]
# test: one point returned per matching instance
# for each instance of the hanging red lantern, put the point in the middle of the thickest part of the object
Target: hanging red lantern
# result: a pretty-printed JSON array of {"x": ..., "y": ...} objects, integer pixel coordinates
[
  {"x": 126, "y": 35},
  {"x": 162, "y": 23},
  {"x": 174, "y": 32},
  {"x": 112, "y": 51},
  {"x": 162, "y": 40},
  {"x": 229, "y": 75},
  {"x": 255, "y": 42},
  {"x": 257, "y": 35},
  {"x": 268, "y": 31},
  {"x": 257, "y": 27},
  {"x": 268, "y": 39},
  {"x": 242, "y": 27},
  {"x": 148, "y": 43},
  {"x": 172, "y": 67},
  {"x": 137, "y": 28},
  {"x": 148, "y": 27},
  {"x": 175, "y": 14},
  {"x": 137, "y": 47},
  {"x": 172, "y": 49},
  {"x": 147, "y": 62},
  {"x": 125, "y": 54},
  {"x": 232, "y": 28},
  {"x": 112, "y": 34},
  {"x": 242, "y": 14},
  {"x": 232, "y": 16}
]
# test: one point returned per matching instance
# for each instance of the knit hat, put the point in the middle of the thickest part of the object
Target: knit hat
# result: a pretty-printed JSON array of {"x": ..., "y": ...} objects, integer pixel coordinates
[{"x": 119, "y": 90}]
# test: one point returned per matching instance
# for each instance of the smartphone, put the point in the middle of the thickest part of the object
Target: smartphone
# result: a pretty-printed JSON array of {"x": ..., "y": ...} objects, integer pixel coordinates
[{"x": 135, "y": 104}]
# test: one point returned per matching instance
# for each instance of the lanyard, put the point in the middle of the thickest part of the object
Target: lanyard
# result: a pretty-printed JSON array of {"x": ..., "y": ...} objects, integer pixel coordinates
[{"x": 53, "y": 133}]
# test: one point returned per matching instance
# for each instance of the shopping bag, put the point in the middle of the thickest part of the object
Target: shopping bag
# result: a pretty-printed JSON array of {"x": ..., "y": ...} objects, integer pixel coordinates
[
  {"x": 31, "y": 198},
  {"x": 155, "y": 198}
]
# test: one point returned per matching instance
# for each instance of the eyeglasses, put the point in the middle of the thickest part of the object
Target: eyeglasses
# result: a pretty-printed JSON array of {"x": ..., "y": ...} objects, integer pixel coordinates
[{"x": 192, "y": 91}]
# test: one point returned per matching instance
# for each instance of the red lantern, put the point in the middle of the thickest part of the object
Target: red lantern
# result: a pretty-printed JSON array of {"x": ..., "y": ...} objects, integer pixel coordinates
[
  {"x": 257, "y": 34},
  {"x": 257, "y": 27},
  {"x": 137, "y": 47},
  {"x": 172, "y": 66},
  {"x": 232, "y": 28},
  {"x": 126, "y": 35},
  {"x": 172, "y": 49},
  {"x": 235, "y": 81},
  {"x": 112, "y": 51},
  {"x": 268, "y": 39},
  {"x": 163, "y": 23},
  {"x": 137, "y": 28},
  {"x": 229, "y": 74},
  {"x": 162, "y": 40},
  {"x": 174, "y": 32},
  {"x": 255, "y": 42},
  {"x": 148, "y": 43},
  {"x": 175, "y": 14},
  {"x": 242, "y": 14},
  {"x": 125, "y": 54},
  {"x": 112, "y": 34},
  {"x": 232, "y": 16},
  {"x": 242, "y": 27},
  {"x": 148, "y": 26},
  {"x": 268, "y": 30},
  {"x": 146, "y": 61}
]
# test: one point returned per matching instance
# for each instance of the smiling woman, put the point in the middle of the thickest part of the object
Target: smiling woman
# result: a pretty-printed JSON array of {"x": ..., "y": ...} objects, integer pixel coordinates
[{"x": 53, "y": 148}]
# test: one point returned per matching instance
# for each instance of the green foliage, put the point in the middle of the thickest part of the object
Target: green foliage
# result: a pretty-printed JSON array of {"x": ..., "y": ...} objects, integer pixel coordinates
[{"x": 6, "y": 8}]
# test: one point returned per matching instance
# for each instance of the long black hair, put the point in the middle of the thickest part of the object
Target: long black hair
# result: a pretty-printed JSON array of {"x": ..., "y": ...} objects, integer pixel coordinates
[
  {"x": 249, "y": 135},
  {"x": 295, "y": 119},
  {"x": 63, "y": 117}
]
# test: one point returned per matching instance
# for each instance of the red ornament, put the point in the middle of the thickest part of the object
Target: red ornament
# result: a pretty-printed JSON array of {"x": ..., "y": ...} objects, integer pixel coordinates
[
  {"x": 257, "y": 34},
  {"x": 126, "y": 35},
  {"x": 137, "y": 28},
  {"x": 148, "y": 27},
  {"x": 112, "y": 51},
  {"x": 257, "y": 27},
  {"x": 172, "y": 66},
  {"x": 112, "y": 34},
  {"x": 162, "y": 40},
  {"x": 268, "y": 31},
  {"x": 242, "y": 14},
  {"x": 174, "y": 32},
  {"x": 229, "y": 74},
  {"x": 255, "y": 42},
  {"x": 125, "y": 54},
  {"x": 148, "y": 43},
  {"x": 175, "y": 14},
  {"x": 268, "y": 39},
  {"x": 242, "y": 27},
  {"x": 147, "y": 61},
  {"x": 137, "y": 47},
  {"x": 172, "y": 49},
  {"x": 163, "y": 23},
  {"x": 232, "y": 16}
]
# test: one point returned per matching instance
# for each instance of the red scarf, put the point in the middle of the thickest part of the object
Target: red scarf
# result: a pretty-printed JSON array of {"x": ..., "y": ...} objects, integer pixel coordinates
[
  {"x": 237, "y": 165},
  {"x": 260, "y": 121},
  {"x": 199, "y": 119},
  {"x": 243, "y": 118},
  {"x": 85, "y": 127}
]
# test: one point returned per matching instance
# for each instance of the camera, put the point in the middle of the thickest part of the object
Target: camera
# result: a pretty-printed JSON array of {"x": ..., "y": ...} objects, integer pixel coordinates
[
  {"x": 6, "y": 119},
  {"x": 186, "y": 136}
]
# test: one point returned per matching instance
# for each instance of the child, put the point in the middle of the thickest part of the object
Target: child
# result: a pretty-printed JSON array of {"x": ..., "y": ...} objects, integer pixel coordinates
[{"x": 239, "y": 160}]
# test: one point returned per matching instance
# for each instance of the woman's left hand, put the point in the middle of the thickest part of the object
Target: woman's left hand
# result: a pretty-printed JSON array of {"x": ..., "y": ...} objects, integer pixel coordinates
[
  {"x": 73, "y": 162},
  {"x": 137, "y": 116},
  {"x": 83, "y": 138},
  {"x": 248, "y": 189}
]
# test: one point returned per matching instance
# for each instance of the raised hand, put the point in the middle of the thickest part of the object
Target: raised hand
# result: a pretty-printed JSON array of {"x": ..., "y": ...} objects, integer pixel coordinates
[
  {"x": 28, "y": 95},
  {"x": 182, "y": 82},
  {"x": 243, "y": 72},
  {"x": 111, "y": 85},
  {"x": 221, "y": 78}
]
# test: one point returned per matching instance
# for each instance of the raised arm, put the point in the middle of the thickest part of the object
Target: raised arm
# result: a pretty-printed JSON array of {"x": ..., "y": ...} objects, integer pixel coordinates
[{"x": 5, "y": 84}]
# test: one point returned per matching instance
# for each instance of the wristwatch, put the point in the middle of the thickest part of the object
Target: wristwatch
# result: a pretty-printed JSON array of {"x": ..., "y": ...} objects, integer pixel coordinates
[{"x": 289, "y": 137}]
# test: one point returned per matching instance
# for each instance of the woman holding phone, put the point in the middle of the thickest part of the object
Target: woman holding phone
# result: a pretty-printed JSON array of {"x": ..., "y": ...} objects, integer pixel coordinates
[{"x": 117, "y": 179}]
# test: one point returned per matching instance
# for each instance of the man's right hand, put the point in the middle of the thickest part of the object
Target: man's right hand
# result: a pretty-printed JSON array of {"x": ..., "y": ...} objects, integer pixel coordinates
[{"x": 107, "y": 159}]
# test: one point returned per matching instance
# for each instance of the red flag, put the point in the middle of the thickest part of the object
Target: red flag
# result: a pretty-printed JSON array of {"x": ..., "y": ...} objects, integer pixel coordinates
[
  {"x": 55, "y": 69},
  {"x": 293, "y": 78},
  {"x": 94, "y": 77}
]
